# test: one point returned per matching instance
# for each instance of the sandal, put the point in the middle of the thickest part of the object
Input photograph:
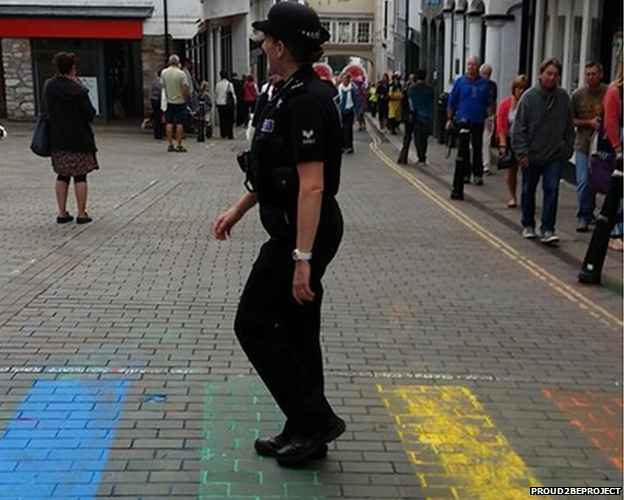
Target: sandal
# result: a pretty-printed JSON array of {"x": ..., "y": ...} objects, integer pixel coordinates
[
  {"x": 171, "y": 149},
  {"x": 181, "y": 149},
  {"x": 64, "y": 219},
  {"x": 84, "y": 220}
]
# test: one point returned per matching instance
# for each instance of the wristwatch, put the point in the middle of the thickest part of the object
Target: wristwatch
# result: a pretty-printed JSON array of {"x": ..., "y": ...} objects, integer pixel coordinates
[{"x": 297, "y": 255}]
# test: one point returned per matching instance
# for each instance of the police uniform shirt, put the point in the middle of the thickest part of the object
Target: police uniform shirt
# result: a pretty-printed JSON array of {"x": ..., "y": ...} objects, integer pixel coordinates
[
  {"x": 301, "y": 124},
  {"x": 314, "y": 127}
]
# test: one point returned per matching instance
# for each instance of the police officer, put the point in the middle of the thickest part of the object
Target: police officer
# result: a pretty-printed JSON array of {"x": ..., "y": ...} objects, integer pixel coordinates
[{"x": 295, "y": 172}]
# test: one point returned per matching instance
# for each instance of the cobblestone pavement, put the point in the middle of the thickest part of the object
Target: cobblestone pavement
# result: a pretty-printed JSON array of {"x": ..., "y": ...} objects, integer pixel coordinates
[{"x": 467, "y": 362}]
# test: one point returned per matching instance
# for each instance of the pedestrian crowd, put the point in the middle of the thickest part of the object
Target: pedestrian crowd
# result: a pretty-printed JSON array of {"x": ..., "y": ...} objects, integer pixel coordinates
[{"x": 536, "y": 129}]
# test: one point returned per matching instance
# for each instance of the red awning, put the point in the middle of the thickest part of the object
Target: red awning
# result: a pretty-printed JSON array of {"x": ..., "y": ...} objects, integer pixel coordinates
[{"x": 103, "y": 29}]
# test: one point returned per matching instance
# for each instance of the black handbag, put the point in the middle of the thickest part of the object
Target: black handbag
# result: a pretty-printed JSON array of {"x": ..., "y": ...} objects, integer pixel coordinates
[
  {"x": 507, "y": 160},
  {"x": 40, "y": 144}
]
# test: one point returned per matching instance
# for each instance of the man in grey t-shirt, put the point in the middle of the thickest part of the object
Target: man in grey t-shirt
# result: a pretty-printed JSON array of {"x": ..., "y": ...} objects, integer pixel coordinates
[{"x": 587, "y": 103}]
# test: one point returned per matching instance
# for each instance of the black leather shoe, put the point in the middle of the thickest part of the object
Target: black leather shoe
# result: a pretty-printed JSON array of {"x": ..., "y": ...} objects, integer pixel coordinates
[
  {"x": 302, "y": 448},
  {"x": 456, "y": 196},
  {"x": 268, "y": 447}
]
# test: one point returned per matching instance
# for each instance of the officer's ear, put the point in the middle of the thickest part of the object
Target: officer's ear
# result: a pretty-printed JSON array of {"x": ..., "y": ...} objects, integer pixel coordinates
[{"x": 280, "y": 49}]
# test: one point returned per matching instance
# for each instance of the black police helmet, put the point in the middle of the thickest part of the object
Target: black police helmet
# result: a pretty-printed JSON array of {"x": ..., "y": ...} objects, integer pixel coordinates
[{"x": 293, "y": 22}]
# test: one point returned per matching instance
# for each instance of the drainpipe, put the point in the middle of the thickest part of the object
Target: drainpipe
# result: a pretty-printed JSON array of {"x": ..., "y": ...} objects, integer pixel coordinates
[{"x": 166, "y": 19}]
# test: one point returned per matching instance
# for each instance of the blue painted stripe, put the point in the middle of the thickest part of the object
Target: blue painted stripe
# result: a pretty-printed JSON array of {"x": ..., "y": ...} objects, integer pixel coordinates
[{"x": 51, "y": 449}]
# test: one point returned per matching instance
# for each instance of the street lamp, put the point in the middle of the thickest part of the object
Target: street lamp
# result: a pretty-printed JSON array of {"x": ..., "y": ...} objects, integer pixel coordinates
[{"x": 166, "y": 19}]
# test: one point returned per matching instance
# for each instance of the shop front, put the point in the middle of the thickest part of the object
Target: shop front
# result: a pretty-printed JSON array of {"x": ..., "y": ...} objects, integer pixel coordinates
[{"x": 108, "y": 56}]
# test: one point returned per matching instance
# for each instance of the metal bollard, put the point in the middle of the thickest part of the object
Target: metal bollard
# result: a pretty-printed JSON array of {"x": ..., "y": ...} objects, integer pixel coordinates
[{"x": 201, "y": 125}]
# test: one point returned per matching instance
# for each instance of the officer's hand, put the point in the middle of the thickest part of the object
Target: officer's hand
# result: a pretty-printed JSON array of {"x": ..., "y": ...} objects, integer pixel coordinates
[
  {"x": 224, "y": 224},
  {"x": 301, "y": 283}
]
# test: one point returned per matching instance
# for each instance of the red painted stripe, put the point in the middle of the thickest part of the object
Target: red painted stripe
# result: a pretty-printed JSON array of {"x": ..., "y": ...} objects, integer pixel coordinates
[
  {"x": 597, "y": 416},
  {"x": 125, "y": 29}
]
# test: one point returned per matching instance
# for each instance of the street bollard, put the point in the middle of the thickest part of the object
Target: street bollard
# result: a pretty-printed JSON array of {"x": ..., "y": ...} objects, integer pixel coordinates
[
  {"x": 463, "y": 155},
  {"x": 201, "y": 125},
  {"x": 593, "y": 263}
]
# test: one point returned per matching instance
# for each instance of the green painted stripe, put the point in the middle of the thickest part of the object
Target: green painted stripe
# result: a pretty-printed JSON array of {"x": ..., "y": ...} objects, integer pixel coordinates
[{"x": 236, "y": 413}]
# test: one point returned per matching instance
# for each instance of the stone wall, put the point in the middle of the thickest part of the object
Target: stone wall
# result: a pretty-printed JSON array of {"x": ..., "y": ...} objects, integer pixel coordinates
[
  {"x": 153, "y": 60},
  {"x": 18, "y": 79}
]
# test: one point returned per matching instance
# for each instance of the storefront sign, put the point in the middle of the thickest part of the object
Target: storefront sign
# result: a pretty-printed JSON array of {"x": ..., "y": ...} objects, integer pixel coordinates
[{"x": 104, "y": 29}]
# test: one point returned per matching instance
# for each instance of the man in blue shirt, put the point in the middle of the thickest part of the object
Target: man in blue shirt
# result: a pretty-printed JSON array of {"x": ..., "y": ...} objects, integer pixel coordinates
[{"x": 469, "y": 104}]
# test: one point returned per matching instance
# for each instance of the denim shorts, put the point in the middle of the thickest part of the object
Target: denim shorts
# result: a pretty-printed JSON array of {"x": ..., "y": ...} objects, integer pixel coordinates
[{"x": 176, "y": 114}]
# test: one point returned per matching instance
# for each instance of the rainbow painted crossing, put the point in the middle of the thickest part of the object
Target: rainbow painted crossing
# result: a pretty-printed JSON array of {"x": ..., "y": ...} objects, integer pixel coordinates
[
  {"x": 453, "y": 444},
  {"x": 236, "y": 413}
]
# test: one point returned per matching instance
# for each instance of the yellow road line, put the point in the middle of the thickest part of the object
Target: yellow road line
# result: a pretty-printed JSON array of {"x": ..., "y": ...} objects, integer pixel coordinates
[
  {"x": 555, "y": 283},
  {"x": 455, "y": 445}
]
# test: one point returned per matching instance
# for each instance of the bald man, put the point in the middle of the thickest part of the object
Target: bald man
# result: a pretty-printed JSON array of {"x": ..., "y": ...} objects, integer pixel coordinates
[{"x": 486, "y": 72}]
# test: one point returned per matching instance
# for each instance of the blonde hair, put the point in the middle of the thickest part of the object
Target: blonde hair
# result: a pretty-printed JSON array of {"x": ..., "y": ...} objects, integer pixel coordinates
[
  {"x": 521, "y": 81},
  {"x": 204, "y": 86}
]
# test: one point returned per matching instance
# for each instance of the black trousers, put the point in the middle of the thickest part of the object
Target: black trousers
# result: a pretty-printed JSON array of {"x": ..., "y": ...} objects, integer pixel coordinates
[
  {"x": 422, "y": 129},
  {"x": 383, "y": 113},
  {"x": 419, "y": 128},
  {"x": 226, "y": 121},
  {"x": 157, "y": 119},
  {"x": 471, "y": 134},
  {"x": 282, "y": 338},
  {"x": 347, "y": 128}
]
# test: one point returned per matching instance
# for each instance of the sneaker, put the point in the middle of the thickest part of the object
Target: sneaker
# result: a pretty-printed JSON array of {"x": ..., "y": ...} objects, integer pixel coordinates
[
  {"x": 528, "y": 233},
  {"x": 582, "y": 227},
  {"x": 478, "y": 181},
  {"x": 486, "y": 171},
  {"x": 549, "y": 238}
]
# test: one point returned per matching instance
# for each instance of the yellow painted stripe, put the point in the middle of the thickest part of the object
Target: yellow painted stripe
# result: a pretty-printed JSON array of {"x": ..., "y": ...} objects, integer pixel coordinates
[
  {"x": 594, "y": 309},
  {"x": 454, "y": 444}
]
